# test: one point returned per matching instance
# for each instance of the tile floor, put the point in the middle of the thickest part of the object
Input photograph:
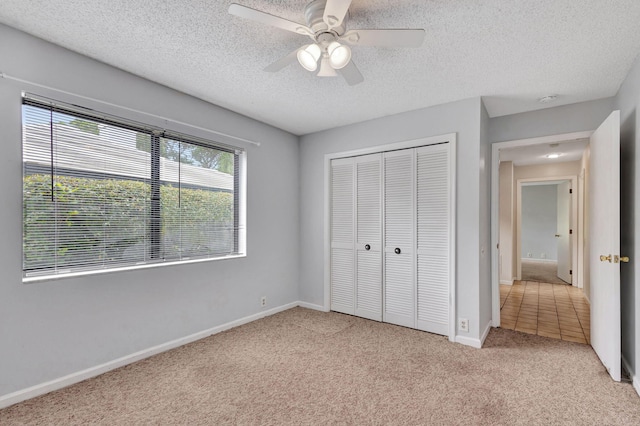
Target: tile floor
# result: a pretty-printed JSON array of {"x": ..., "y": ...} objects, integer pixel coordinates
[{"x": 552, "y": 310}]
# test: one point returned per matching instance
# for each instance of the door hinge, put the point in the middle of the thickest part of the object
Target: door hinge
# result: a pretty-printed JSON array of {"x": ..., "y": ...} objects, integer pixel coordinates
[
  {"x": 570, "y": 231},
  {"x": 570, "y": 191},
  {"x": 570, "y": 271}
]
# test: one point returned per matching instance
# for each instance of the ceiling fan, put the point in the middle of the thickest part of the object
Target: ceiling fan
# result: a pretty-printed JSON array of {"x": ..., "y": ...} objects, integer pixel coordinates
[{"x": 327, "y": 27}]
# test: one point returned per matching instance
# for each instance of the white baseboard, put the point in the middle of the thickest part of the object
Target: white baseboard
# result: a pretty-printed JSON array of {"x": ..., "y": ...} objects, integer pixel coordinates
[
  {"x": 485, "y": 333},
  {"x": 473, "y": 342},
  {"x": 634, "y": 380},
  {"x": 468, "y": 341},
  {"x": 539, "y": 260},
  {"x": 506, "y": 282},
  {"x": 77, "y": 377},
  {"x": 312, "y": 306}
]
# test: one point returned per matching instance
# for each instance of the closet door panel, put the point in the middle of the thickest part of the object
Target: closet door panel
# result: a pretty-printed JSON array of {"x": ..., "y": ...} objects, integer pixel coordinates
[
  {"x": 369, "y": 236},
  {"x": 342, "y": 276},
  {"x": 399, "y": 238},
  {"x": 342, "y": 236},
  {"x": 399, "y": 200},
  {"x": 433, "y": 238},
  {"x": 369, "y": 286},
  {"x": 399, "y": 306}
]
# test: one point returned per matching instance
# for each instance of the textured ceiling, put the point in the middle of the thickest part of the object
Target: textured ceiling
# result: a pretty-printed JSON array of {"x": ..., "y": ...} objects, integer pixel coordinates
[{"x": 509, "y": 52}]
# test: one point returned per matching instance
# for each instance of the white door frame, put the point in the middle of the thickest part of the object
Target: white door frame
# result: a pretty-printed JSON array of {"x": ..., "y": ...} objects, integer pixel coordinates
[
  {"x": 576, "y": 278},
  {"x": 495, "y": 198},
  {"x": 446, "y": 138}
]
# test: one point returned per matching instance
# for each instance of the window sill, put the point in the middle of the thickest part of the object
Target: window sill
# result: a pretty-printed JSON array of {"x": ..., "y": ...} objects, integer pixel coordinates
[{"x": 61, "y": 276}]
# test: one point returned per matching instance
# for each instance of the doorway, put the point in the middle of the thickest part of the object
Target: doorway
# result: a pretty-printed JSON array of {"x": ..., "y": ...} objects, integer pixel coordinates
[
  {"x": 543, "y": 297},
  {"x": 599, "y": 233},
  {"x": 547, "y": 225},
  {"x": 529, "y": 230}
]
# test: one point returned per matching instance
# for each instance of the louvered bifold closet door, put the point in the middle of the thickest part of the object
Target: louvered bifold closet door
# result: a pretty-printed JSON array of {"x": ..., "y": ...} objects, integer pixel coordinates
[
  {"x": 433, "y": 237},
  {"x": 369, "y": 236},
  {"x": 342, "y": 236},
  {"x": 399, "y": 238}
]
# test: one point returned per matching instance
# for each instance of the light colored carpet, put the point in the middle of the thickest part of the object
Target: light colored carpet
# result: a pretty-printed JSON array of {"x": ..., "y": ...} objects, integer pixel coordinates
[
  {"x": 304, "y": 367},
  {"x": 543, "y": 272}
]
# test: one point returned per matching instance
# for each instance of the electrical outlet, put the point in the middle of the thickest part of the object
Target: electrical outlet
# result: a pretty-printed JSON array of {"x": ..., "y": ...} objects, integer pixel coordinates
[
  {"x": 263, "y": 301},
  {"x": 463, "y": 324},
  {"x": 529, "y": 255}
]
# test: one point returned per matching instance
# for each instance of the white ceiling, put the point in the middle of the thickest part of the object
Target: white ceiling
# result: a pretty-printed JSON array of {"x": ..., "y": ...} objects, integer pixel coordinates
[
  {"x": 509, "y": 52},
  {"x": 537, "y": 154}
]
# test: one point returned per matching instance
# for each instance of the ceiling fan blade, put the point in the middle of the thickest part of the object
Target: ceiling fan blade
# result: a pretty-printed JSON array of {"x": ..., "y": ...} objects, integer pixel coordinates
[
  {"x": 268, "y": 19},
  {"x": 283, "y": 62},
  {"x": 351, "y": 74},
  {"x": 335, "y": 11},
  {"x": 384, "y": 38}
]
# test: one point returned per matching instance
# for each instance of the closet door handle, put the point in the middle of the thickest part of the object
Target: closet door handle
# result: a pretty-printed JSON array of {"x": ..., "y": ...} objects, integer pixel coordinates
[
  {"x": 397, "y": 250},
  {"x": 367, "y": 247}
]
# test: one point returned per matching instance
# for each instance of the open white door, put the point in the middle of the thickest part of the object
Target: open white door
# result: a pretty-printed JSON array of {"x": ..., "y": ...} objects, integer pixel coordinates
[
  {"x": 604, "y": 230},
  {"x": 563, "y": 228}
]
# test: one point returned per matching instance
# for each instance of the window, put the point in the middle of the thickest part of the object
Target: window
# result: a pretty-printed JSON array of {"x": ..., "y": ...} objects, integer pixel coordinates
[{"x": 100, "y": 192}]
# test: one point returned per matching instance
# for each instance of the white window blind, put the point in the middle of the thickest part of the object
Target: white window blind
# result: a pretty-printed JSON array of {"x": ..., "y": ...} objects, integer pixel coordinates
[{"x": 102, "y": 192}]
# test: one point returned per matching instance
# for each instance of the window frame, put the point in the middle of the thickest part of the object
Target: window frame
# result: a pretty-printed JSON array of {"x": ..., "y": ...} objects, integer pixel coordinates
[{"x": 155, "y": 220}]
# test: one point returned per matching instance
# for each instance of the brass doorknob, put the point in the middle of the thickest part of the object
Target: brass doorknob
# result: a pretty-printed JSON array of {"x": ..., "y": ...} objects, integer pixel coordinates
[
  {"x": 624, "y": 259},
  {"x": 604, "y": 258}
]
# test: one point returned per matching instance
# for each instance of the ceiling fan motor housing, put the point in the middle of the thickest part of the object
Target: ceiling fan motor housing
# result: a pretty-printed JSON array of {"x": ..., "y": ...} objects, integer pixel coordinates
[{"x": 314, "y": 15}]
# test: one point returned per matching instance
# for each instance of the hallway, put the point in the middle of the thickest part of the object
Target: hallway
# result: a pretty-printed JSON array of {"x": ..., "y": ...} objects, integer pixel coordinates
[
  {"x": 551, "y": 310},
  {"x": 540, "y": 271}
]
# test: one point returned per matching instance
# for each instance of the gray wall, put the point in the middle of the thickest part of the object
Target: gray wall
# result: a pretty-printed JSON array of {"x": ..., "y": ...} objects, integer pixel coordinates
[
  {"x": 551, "y": 121},
  {"x": 463, "y": 118},
  {"x": 627, "y": 102},
  {"x": 51, "y": 329},
  {"x": 539, "y": 221}
]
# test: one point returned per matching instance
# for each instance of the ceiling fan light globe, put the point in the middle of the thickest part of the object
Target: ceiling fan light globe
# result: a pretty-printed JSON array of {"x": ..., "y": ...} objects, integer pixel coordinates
[
  {"x": 308, "y": 57},
  {"x": 339, "y": 55}
]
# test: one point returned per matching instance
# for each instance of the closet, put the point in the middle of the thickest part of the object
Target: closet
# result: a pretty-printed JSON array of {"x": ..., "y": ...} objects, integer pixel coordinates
[{"x": 391, "y": 233}]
